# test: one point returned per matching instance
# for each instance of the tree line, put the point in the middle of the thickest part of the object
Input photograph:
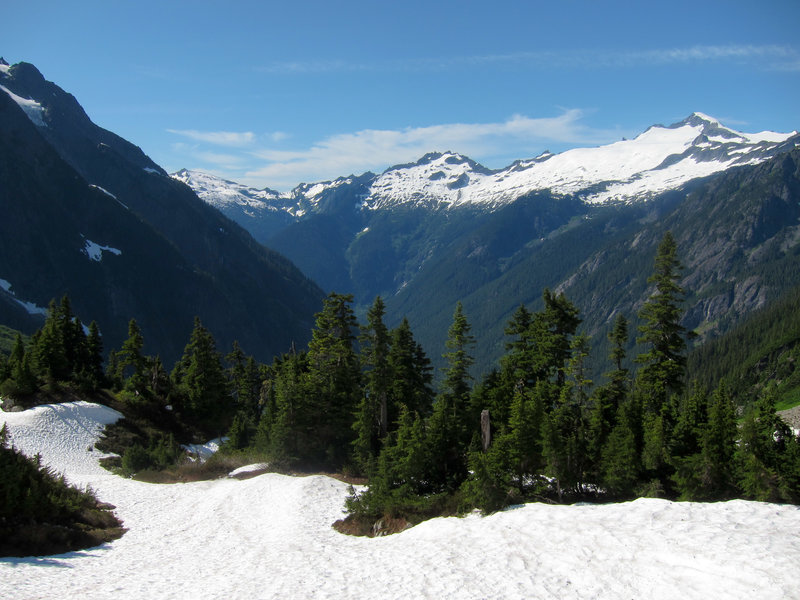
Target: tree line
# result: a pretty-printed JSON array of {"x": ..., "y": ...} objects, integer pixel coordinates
[
  {"x": 361, "y": 399},
  {"x": 535, "y": 428}
]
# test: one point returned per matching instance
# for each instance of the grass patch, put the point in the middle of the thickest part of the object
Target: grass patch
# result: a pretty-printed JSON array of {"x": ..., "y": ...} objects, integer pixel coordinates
[
  {"x": 217, "y": 466},
  {"x": 789, "y": 399}
]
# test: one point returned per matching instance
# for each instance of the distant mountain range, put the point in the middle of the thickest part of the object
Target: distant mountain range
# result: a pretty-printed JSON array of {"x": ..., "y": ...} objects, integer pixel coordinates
[
  {"x": 85, "y": 213},
  {"x": 586, "y": 222},
  {"x": 658, "y": 160}
]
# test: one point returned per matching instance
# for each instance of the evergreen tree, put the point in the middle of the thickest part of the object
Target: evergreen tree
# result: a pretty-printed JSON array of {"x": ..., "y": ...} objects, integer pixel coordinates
[
  {"x": 245, "y": 379},
  {"x": 200, "y": 380},
  {"x": 661, "y": 378},
  {"x": 399, "y": 485},
  {"x": 37, "y": 508},
  {"x": 240, "y": 433},
  {"x": 517, "y": 364},
  {"x": 690, "y": 423},
  {"x": 450, "y": 427},
  {"x": 130, "y": 359},
  {"x": 609, "y": 398},
  {"x": 21, "y": 377},
  {"x": 490, "y": 483},
  {"x": 91, "y": 370},
  {"x": 48, "y": 347},
  {"x": 334, "y": 376},
  {"x": 523, "y": 441},
  {"x": 73, "y": 339},
  {"x": 664, "y": 361},
  {"x": 619, "y": 467},
  {"x": 5, "y": 371},
  {"x": 287, "y": 426},
  {"x": 113, "y": 371},
  {"x": 554, "y": 327},
  {"x": 456, "y": 385},
  {"x": 564, "y": 442},
  {"x": 236, "y": 362},
  {"x": 372, "y": 417},
  {"x": 719, "y": 441},
  {"x": 708, "y": 474},
  {"x": 689, "y": 462},
  {"x": 766, "y": 454},
  {"x": 411, "y": 374}
]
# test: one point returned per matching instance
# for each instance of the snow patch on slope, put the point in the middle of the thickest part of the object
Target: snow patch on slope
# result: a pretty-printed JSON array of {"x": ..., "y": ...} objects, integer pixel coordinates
[
  {"x": 32, "y": 108},
  {"x": 30, "y": 307},
  {"x": 270, "y": 536},
  {"x": 95, "y": 251},
  {"x": 105, "y": 191},
  {"x": 203, "y": 452}
]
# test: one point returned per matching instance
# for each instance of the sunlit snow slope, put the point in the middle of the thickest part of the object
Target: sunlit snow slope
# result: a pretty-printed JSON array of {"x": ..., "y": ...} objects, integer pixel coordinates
[
  {"x": 659, "y": 159},
  {"x": 271, "y": 537}
]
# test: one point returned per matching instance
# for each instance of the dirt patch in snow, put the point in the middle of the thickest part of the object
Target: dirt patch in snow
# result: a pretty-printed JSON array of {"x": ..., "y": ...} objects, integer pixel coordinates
[{"x": 352, "y": 525}]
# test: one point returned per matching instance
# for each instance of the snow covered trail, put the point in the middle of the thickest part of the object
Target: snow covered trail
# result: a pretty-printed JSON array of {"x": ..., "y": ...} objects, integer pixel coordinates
[{"x": 271, "y": 537}]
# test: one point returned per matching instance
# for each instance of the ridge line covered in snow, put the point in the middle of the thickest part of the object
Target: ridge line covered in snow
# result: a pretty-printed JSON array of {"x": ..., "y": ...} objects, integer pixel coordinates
[{"x": 659, "y": 159}]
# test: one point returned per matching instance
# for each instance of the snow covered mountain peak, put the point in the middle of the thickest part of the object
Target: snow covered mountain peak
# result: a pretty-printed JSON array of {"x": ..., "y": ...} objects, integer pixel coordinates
[
  {"x": 242, "y": 203},
  {"x": 659, "y": 159},
  {"x": 630, "y": 170},
  {"x": 221, "y": 192}
]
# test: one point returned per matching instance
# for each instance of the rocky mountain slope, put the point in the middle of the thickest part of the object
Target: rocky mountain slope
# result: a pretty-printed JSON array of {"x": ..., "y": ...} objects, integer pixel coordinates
[{"x": 84, "y": 212}]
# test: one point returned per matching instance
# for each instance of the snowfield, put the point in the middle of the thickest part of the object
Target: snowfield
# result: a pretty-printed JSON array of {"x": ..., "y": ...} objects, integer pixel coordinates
[
  {"x": 271, "y": 537},
  {"x": 659, "y": 159}
]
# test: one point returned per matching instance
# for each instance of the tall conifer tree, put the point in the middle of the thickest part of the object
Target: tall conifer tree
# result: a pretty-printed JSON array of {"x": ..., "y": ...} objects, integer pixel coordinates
[
  {"x": 449, "y": 425},
  {"x": 372, "y": 417},
  {"x": 661, "y": 330},
  {"x": 334, "y": 376}
]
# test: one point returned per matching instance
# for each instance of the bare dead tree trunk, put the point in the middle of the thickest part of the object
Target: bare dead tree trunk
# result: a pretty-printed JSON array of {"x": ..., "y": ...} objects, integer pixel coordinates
[{"x": 486, "y": 431}]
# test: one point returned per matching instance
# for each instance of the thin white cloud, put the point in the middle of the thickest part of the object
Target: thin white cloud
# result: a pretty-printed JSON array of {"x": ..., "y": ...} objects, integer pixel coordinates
[
  {"x": 278, "y": 136},
  {"x": 766, "y": 56},
  {"x": 219, "y": 138},
  {"x": 313, "y": 66},
  {"x": 769, "y": 56},
  {"x": 375, "y": 150}
]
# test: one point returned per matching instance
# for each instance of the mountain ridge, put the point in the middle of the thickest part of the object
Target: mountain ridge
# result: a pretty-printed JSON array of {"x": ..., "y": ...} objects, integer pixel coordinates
[
  {"x": 657, "y": 160},
  {"x": 73, "y": 193}
]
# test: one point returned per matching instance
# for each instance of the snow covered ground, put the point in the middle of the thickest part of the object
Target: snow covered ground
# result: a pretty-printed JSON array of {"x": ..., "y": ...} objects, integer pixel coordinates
[{"x": 271, "y": 537}]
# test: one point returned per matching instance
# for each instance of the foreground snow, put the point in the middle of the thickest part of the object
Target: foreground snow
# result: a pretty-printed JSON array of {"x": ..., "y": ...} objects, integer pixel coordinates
[{"x": 271, "y": 537}]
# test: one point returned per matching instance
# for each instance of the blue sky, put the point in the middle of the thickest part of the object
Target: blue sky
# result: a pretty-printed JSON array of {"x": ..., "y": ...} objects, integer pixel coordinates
[{"x": 272, "y": 94}]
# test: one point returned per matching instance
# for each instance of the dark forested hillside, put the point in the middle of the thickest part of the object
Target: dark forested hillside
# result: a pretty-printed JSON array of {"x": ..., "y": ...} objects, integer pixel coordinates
[
  {"x": 86, "y": 213},
  {"x": 761, "y": 353}
]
